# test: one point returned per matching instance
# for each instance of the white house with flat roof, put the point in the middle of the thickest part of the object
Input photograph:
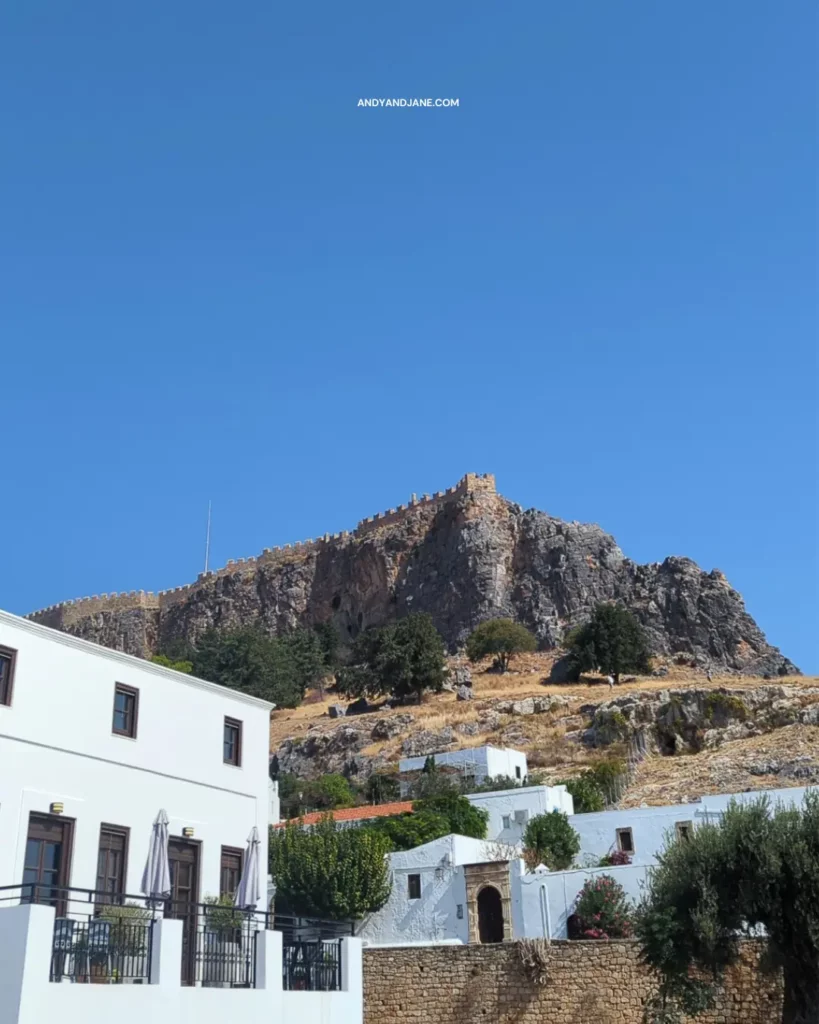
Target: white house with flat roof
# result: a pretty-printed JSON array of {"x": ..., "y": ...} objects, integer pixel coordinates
[
  {"x": 477, "y": 763},
  {"x": 105, "y": 758},
  {"x": 510, "y": 809},
  {"x": 641, "y": 831}
]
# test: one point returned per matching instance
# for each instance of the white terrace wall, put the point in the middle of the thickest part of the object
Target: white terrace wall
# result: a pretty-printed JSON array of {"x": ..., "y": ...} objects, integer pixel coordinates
[
  {"x": 28, "y": 997},
  {"x": 543, "y": 901}
]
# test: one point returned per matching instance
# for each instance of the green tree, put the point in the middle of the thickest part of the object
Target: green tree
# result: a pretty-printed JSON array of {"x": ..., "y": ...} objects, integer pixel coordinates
[
  {"x": 406, "y": 831},
  {"x": 308, "y": 653},
  {"x": 249, "y": 660},
  {"x": 549, "y": 839},
  {"x": 403, "y": 659},
  {"x": 462, "y": 817},
  {"x": 585, "y": 793},
  {"x": 381, "y": 788},
  {"x": 755, "y": 870},
  {"x": 502, "y": 638},
  {"x": 603, "y": 910},
  {"x": 330, "y": 642},
  {"x": 177, "y": 666},
  {"x": 612, "y": 641},
  {"x": 329, "y": 872}
]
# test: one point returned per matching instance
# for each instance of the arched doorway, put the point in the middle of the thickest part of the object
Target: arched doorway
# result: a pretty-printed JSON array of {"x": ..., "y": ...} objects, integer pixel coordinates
[{"x": 490, "y": 915}]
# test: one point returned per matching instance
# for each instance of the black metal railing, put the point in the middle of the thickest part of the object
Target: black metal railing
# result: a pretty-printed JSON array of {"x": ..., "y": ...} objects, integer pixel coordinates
[
  {"x": 99, "y": 937},
  {"x": 223, "y": 945},
  {"x": 312, "y": 966}
]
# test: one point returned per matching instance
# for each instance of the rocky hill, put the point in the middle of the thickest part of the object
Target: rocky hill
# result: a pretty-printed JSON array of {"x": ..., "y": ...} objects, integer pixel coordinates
[
  {"x": 464, "y": 555},
  {"x": 696, "y": 737}
]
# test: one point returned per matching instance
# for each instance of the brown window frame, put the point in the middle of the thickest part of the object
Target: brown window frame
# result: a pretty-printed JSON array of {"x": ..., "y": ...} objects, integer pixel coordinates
[
  {"x": 7, "y": 689},
  {"x": 684, "y": 829},
  {"x": 413, "y": 885},
  {"x": 232, "y": 723},
  {"x": 230, "y": 851},
  {"x": 68, "y": 826},
  {"x": 630, "y": 833},
  {"x": 130, "y": 691},
  {"x": 125, "y": 832}
]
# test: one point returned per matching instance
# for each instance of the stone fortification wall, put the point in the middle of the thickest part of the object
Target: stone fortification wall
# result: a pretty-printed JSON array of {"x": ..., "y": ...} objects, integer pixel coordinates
[
  {"x": 588, "y": 983},
  {"x": 68, "y": 613}
]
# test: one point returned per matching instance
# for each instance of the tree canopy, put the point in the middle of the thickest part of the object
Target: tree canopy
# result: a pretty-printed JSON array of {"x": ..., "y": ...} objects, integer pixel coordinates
[
  {"x": 326, "y": 793},
  {"x": 462, "y": 817},
  {"x": 329, "y": 872},
  {"x": 406, "y": 831},
  {"x": 549, "y": 839},
  {"x": 502, "y": 638},
  {"x": 755, "y": 872},
  {"x": 249, "y": 660},
  {"x": 612, "y": 641},
  {"x": 404, "y": 659}
]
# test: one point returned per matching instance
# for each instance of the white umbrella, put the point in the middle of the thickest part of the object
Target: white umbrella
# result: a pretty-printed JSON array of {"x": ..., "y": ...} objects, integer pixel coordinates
[
  {"x": 156, "y": 879},
  {"x": 248, "y": 892}
]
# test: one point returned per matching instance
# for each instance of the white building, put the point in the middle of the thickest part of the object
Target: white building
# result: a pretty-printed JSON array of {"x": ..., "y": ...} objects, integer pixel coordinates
[
  {"x": 458, "y": 890},
  {"x": 510, "y": 809},
  {"x": 93, "y": 745},
  {"x": 477, "y": 763},
  {"x": 430, "y": 898},
  {"x": 641, "y": 831}
]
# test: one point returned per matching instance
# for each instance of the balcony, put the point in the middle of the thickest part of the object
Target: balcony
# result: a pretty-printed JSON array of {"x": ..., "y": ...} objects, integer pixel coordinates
[{"x": 58, "y": 942}]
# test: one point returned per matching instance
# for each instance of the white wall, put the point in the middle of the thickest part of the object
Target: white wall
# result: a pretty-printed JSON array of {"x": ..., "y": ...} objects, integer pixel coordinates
[
  {"x": 56, "y": 745},
  {"x": 27, "y": 933},
  {"x": 479, "y": 762},
  {"x": 544, "y": 900},
  {"x": 525, "y": 802},
  {"x": 651, "y": 825},
  {"x": 433, "y": 917}
]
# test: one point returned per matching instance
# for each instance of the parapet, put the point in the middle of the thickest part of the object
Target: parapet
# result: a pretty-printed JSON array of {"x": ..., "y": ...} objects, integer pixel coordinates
[{"x": 68, "y": 612}]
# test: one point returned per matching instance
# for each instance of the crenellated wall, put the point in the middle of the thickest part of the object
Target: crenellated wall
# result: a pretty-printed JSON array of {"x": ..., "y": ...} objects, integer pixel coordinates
[{"x": 67, "y": 613}]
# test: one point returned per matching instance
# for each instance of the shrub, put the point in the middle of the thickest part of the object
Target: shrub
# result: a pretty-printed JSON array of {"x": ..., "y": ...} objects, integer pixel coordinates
[
  {"x": 615, "y": 859},
  {"x": 603, "y": 910},
  {"x": 549, "y": 839},
  {"x": 406, "y": 831},
  {"x": 501, "y": 637},
  {"x": 585, "y": 793}
]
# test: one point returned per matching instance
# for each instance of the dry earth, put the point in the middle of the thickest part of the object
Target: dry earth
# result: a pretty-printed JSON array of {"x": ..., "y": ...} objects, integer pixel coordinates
[{"x": 551, "y": 740}]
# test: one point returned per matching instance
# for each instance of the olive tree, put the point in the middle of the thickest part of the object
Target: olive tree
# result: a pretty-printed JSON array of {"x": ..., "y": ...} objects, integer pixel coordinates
[{"x": 754, "y": 873}]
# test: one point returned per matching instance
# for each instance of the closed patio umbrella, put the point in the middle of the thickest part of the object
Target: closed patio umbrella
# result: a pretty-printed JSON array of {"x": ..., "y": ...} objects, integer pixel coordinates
[
  {"x": 156, "y": 879},
  {"x": 248, "y": 892}
]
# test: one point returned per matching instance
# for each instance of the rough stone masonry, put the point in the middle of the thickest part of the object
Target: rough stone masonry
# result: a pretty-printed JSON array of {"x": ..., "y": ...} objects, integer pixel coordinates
[
  {"x": 587, "y": 983},
  {"x": 463, "y": 555}
]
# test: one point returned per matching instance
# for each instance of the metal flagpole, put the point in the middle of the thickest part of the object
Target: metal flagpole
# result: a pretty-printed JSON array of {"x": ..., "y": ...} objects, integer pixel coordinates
[{"x": 207, "y": 541}]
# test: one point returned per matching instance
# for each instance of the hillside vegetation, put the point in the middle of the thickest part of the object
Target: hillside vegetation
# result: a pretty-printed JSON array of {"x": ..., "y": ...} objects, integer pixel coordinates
[{"x": 731, "y": 733}]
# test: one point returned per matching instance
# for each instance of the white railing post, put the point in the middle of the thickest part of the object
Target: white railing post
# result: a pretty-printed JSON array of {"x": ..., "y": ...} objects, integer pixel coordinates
[
  {"x": 166, "y": 952},
  {"x": 352, "y": 966},
  {"x": 269, "y": 960},
  {"x": 26, "y": 939}
]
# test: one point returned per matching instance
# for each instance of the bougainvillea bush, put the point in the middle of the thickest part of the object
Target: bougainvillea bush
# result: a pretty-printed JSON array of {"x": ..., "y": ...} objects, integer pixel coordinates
[{"x": 603, "y": 910}]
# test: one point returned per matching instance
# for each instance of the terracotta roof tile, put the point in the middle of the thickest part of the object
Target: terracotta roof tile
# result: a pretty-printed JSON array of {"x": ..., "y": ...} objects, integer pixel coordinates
[{"x": 354, "y": 813}]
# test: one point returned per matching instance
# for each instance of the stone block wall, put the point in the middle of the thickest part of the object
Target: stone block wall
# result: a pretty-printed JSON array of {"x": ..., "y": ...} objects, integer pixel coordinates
[{"x": 589, "y": 983}]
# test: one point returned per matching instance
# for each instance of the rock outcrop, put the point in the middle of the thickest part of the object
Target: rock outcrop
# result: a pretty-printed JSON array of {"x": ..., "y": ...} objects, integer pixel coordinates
[{"x": 464, "y": 556}]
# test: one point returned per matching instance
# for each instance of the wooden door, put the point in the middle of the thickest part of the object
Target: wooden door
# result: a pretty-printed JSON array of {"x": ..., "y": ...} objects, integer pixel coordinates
[
  {"x": 183, "y": 858},
  {"x": 48, "y": 860}
]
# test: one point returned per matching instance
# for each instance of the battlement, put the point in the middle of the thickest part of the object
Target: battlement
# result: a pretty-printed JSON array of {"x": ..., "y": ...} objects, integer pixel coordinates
[{"x": 67, "y": 612}]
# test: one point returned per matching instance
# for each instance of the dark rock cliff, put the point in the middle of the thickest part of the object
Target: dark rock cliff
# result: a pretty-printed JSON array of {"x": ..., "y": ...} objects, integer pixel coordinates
[{"x": 468, "y": 558}]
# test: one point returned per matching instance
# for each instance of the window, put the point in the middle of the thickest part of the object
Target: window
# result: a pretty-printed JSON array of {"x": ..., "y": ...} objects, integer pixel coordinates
[
  {"x": 7, "y": 659},
  {"x": 414, "y": 887},
  {"x": 625, "y": 840},
  {"x": 684, "y": 829},
  {"x": 231, "y": 871},
  {"x": 459, "y": 911},
  {"x": 112, "y": 860},
  {"x": 521, "y": 817},
  {"x": 126, "y": 705},
  {"x": 507, "y": 821},
  {"x": 517, "y": 771},
  {"x": 232, "y": 746},
  {"x": 47, "y": 859}
]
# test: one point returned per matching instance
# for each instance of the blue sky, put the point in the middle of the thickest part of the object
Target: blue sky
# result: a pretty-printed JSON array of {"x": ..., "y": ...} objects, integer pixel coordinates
[{"x": 221, "y": 278}]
